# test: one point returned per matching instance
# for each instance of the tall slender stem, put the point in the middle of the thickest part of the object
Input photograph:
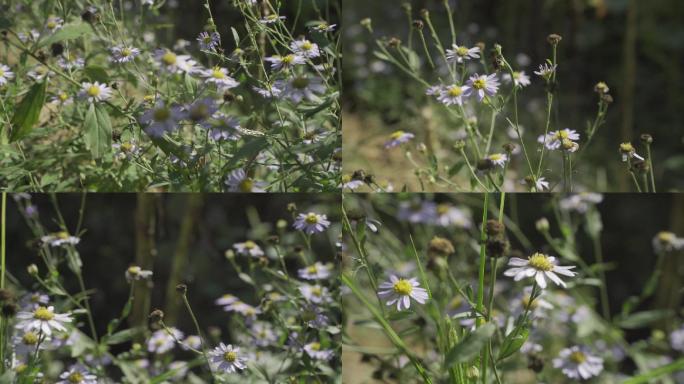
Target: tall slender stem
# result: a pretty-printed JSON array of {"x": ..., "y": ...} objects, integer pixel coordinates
[
  {"x": 481, "y": 278},
  {"x": 2, "y": 278}
]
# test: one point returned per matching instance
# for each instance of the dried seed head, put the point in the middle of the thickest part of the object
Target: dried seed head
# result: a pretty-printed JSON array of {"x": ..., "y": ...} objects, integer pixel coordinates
[
  {"x": 485, "y": 165},
  {"x": 494, "y": 228},
  {"x": 601, "y": 88},
  {"x": 156, "y": 316},
  {"x": 394, "y": 42},
  {"x": 441, "y": 246},
  {"x": 535, "y": 363},
  {"x": 646, "y": 138},
  {"x": 509, "y": 148},
  {"x": 9, "y": 309},
  {"x": 6, "y": 295},
  {"x": 418, "y": 24},
  {"x": 554, "y": 39},
  {"x": 607, "y": 98},
  {"x": 182, "y": 289}
]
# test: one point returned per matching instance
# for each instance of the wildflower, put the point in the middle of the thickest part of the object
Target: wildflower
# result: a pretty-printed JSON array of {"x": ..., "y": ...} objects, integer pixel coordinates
[
  {"x": 246, "y": 310},
  {"x": 60, "y": 238},
  {"x": 223, "y": 127},
  {"x": 5, "y": 74},
  {"x": 191, "y": 341},
  {"x": 462, "y": 53},
  {"x": 123, "y": 54},
  {"x": 263, "y": 334},
  {"x": 284, "y": 62},
  {"x": 313, "y": 316},
  {"x": 270, "y": 19},
  {"x": 32, "y": 36},
  {"x": 29, "y": 342},
  {"x": 452, "y": 94},
  {"x": 62, "y": 98},
  {"x": 39, "y": 72},
  {"x": 538, "y": 266},
  {"x": 350, "y": 183},
  {"x": 520, "y": 79},
  {"x": 209, "y": 42},
  {"x": 628, "y": 152},
  {"x": 95, "y": 92},
  {"x": 536, "y": 184},
  {"x": 161, "y": 119},
  {"x": 577, "y": 363},
  {"x": 135, "y": 273},
  {"x": 126, "y": 150},
  {"x": 484, "y": 85},
  {"x": 71, "y": 62},
  {"x": 33, "y": 300},
  {"x": 163, "y": 341},
  {"x": 580, "y": 202},
  {"x": 417, "y": 212},
  {"x": 314, "y": 351},
  {"x": 269, "y": 91},
  {"x": 315, "y": 293},
  {"x": 43, "y": 320},
  {"x": 201, "y": 110},
  {"x": 148, "y": 2},
  {"x": 248, "y": 248},
  {"x": 301, "y": 88},
  {"x": 315, "y": 271},
  {"x": 311, "y": 223},
  {"x": 228, "y": 358},
  {"x": 448, "y": 215},
  {"x": 219, "y": 76},
  {"x": 397, "y": 138},
  {"x": 557, "y": 139},
  {"x": 174, "y": 63},
  {"x": 601, "y": 88},
  {"x": 226, "y": 300},
  {"x": 665, "y": 241},
  {"x": 323, "y": 27},
  {"x": 54, "y": 23},
  {"x": 401, "y": 291},
  {"x": 305, "y": 48},
  {"x": 238, "y": 181},
  {"x": 677, "y": 339},
  {"x": 498, "y": 159},
  {"x": 538, "y": 307},
  {"x": 77, "y": 374},
  {"x": 546, "y": 71}
]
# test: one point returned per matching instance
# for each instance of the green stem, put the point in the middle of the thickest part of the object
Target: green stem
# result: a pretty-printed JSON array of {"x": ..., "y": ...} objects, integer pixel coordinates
[
  {"x": 481, "y": 278},
  {"x": 2, "y": 278},
  {"x": 199, "y": 333},
  {"x": 650, "y": 167},
  {"x": 598, "y": 252}
]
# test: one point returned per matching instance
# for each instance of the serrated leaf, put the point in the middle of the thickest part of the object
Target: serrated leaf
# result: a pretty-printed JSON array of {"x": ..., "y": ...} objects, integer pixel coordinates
[
  {"x": 98, "y": 129},
  {"x": 68, "y": 32},
  {"x": 28, "y": 111},
  {"x": 470, "y": 346}
]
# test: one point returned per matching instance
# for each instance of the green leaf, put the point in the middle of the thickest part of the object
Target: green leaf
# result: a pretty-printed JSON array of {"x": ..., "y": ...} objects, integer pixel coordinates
[
  {"x": 98, "y": 129},
  {"x": 250, "y": 149},
  {"x": 124, "y": 336},
  {"x": 246, "y": 278},
  {"x": 96, "y": 73},
  {"x": 470, "y": 346},
  {"x": 644, "y": 318},
  {"x": 28, "y": 111},
  {"x": 235, "y": 36},
  {"x": 513, "y": 342},
  {"x": 68, "y": 32}
]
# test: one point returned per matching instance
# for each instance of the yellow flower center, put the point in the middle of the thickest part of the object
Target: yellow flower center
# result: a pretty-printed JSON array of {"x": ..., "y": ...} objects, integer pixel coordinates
[
  {"x": 403, "y": 287},
  {"x": 75, "y": 377},
  {"x": 43, "y": 314},
  {"x": 312, "y": 269},
  {"x": 396, "y": 135},
  {"x": 626, "y": 147},
  {"x": 94, "y": 91},
  {"x": 462, "y": 51},
  {"x": 495, "y": 157},
  {"x": 230, "y": 356},
  {"x": 134, "y": 270},
  {"x": 63, "y": 97},
  {"x": 479, "y": 83},
  {"x": 666, "y": 237},
  {"x": 216, "y": 73},
  {"x": 311, "y": 218},
  {"x": 30, "y": 338},
  {"x": 307, "y": 46},
  {"x": 246, "y": 185},
  {"x": 51, "y": 24},
  {"x": 578, "y": 357},
  {"x": 62, "y": 235},
  {"x": 317, "y": 291},
  {"x": 126, "y": 147},
  {"x": 272, "y": 17},
  {"x": 346, "y": 178},
  {"x": 169, "y": 58},
  {"x": 443, "y": 209},
  {"x": 2, "y": 73},
  {"x": 126, "y": 52},
  {"x": 455, "y": 91},
  {"x": 315, "y": 346},
  {"x": 162, "y": 114},
  {"x": 289, "y": 59},
  {"x": 560, "y": 135},
  {"x": 249, "y": 244},
  {"x": 300, "y": 82},
  {"x": 540, "y": 262}
]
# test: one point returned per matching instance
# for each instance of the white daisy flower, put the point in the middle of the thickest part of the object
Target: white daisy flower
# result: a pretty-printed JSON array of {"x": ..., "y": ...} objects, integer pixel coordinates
[
  {"x": 161, "y": 119},
  {"x": 43, "y": 320},
  {"x": 161, "y": 341},
  {"x": 482, "y": 85},
  {"x": 539, "y": 266},
  {"x": 126, "y": 150},
  {"x": 398, "y": 138},
  {"x": 315, "y": 293},
  {"x": 300, "y": 88},
  {"x": 499, "y": 159},
  {"x": 315, "y": 271},
  {"x": 135, "y": 273},
  {"x": 60, "y": 238},
  {"x": 462, "y": 53},
  {"x": 665, "y": 241},
  {"x": 541, "y": 184},
  {"x": 173, "y": 63},
  {"x": 246, "y": 310},
  {"x": 269, "y": 91},
  {"x": 5, "y": 74},
  {"x": 147, "y": 2},
  {"x": 248, "y": 248},
  {"x": 559, "y": 139},
  {"x": 219, "y": 76},
  {"x": 123, "y": 54},
  {"x": 54, "y": 23},
  {"x": 239, "y": 181},
  {"x": 400, "y": 291},
  {"x": 520, "y": 79},
  {"x": 546, "y": 70},
  {"x": 27, "y": 343},
  {"x": 33, "y": 300},
  {"x": 284, "y": 62},
  {"x": 192, "y": 341},
  {"x": 580, "y": 202},
  {"x": 95, "y": 92},
  {"x": 228, "y": 358},
  {"x": 39, "y": 72},
  {"x": 32, "y": 36},
  {"x": 77, "y": 374},
  {"x": 270, "y": 19},
  {"x": 452, "y": 94},
  {"x": 677, "y": 339},
  {"x": 350, "y": 183},
  {"x": 628, "y": 151},
  {"x": 62, "y": 98},
  {"x": 305, "y": 48},
  {"x": 323, "y": 27},
  {"x": 209, "y": 41},
  {"x": 577, "y": 363},
  {"x": 447, "y": 215},
  {"x": 71, "y": 62},
  {"x": 263, "y": 334},
  {"x": 311, "y": 223},
  {"x": 314, "y": 351},
  {"x": 226, "y": 300}
]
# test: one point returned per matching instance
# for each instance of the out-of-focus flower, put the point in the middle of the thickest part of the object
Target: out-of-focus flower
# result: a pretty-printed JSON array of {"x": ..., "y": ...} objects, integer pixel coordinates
[
  {"x": 539, "y": 266},
  {"x": 400, "y": 292}
]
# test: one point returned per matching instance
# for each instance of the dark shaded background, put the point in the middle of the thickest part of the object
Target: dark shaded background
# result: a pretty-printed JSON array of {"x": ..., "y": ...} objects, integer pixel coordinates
[
  {"x": 637, "y": 47},
  {"x": 108, "y": 246}
]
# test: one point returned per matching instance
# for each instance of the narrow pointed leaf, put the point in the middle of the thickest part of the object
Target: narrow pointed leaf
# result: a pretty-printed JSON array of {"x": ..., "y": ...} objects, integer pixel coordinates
[
  {"x": 470, "y": 346},
  {"x": 98, "y": 130},
  {"x": 28, "y": 111}
]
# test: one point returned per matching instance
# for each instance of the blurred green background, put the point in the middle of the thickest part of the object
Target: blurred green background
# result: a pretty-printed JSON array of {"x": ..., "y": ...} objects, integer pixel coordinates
[
  {"x": 637, "y": 47},
  {"x": 190, "y": 231}
]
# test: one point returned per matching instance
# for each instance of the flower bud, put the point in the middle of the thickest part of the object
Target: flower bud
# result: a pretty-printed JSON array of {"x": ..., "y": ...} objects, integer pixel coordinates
[
  {"x": 418, "y": 24},
  {"x": 542, "y": 225},
  {"x": 156, "y": 316},
  {"x": 554, "y": 39},
  {"x": 32, "y": 270},
  {"x": 646, "y": 138},
  {"x": 182, "y": 289},
  {"x": 366, "y": 23},
  {"x": 459, "y": 144}
]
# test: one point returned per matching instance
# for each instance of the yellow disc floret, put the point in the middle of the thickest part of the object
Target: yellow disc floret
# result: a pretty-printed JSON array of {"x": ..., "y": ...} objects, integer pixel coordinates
[
  {"x": 540, "y": 262},
  {"x": 403, "y": 287},
  {"x": 43, "y": 314}
]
